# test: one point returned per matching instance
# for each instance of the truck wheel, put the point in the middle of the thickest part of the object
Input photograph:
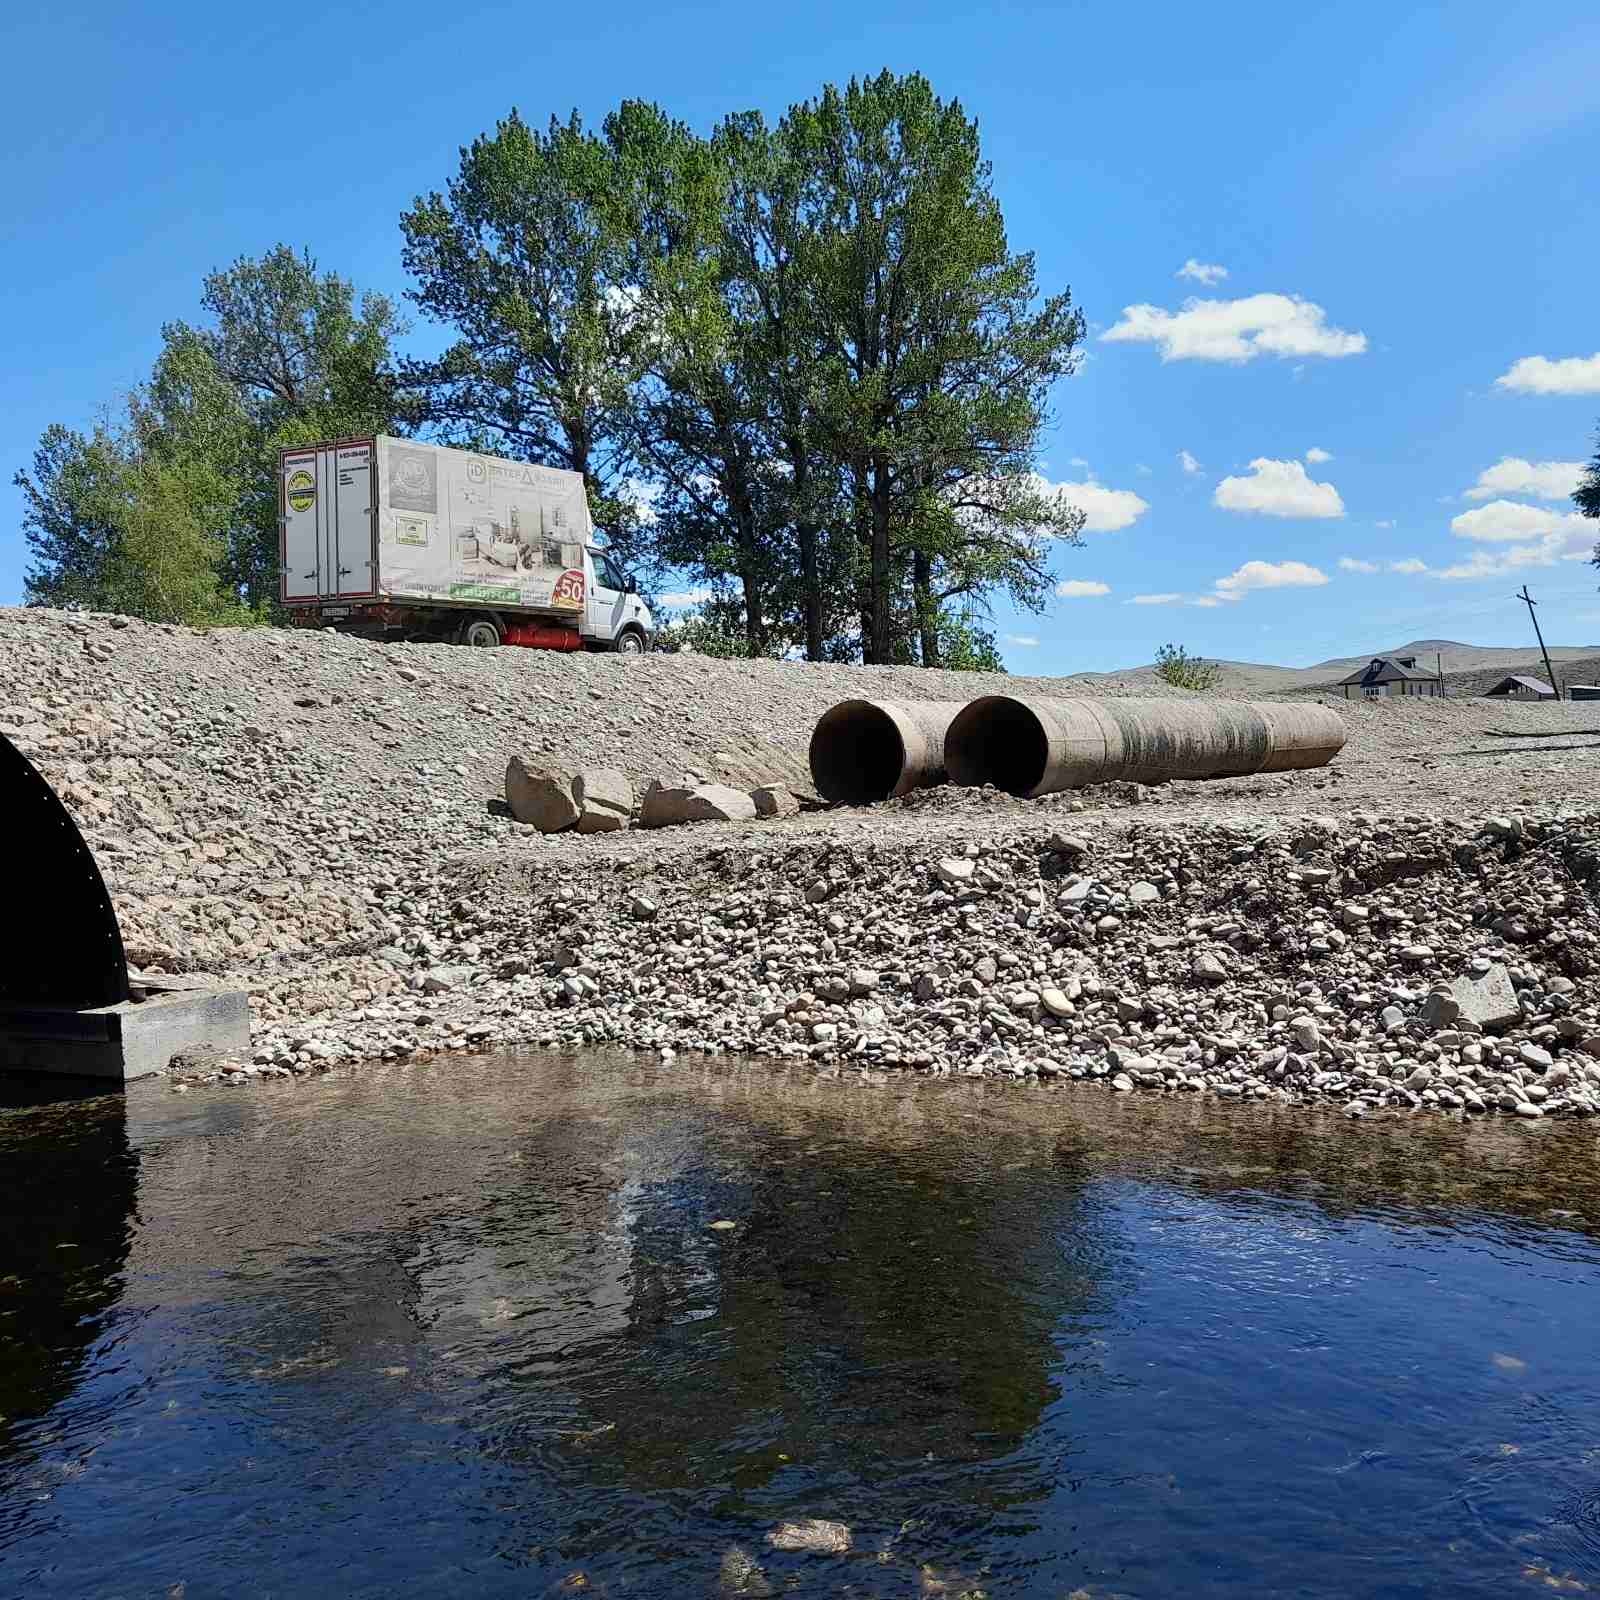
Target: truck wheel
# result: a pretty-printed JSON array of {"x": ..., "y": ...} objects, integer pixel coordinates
[
  {"x": 630, "y": 642},
  {"x": 483, "y": 632}
]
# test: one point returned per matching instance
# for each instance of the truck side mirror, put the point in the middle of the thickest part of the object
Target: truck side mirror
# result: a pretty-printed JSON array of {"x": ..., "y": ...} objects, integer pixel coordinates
[{"x": 630, "y": 584}]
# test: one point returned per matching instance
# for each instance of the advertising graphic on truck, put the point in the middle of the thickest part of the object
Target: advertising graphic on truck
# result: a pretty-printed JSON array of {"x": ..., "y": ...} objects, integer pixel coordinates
[{"x": 433, "y": 533}]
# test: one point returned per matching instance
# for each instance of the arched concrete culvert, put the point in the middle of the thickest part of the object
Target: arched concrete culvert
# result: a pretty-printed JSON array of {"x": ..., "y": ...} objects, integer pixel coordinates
[
  {"x": 59, "y": 940},
  {"x": 1032, "y": 747},
  {"x": 863, "y": 751}
]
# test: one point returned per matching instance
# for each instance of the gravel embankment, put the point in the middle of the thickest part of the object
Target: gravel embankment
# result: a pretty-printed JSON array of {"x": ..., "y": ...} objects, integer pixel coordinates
[{"x": 312, "y": 818}]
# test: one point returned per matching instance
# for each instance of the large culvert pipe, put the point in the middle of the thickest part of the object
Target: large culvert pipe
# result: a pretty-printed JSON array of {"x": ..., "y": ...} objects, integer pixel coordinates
[
  {"x": 868, "y": 750},
  {"x": 1034, "y": 747}
]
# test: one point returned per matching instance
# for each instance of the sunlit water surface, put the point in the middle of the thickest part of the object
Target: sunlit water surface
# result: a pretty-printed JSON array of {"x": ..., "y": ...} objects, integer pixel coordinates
[{"x": 467, "y": 1328}]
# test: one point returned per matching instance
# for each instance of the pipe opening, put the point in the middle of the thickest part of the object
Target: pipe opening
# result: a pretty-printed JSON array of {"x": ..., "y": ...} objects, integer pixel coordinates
[
  {"x": 857, "y": 754},
  {"x": 998, "y": 741}
]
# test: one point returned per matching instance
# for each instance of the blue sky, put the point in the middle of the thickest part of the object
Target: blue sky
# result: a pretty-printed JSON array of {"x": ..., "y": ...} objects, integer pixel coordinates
[{"x": 1402, "y": 199}]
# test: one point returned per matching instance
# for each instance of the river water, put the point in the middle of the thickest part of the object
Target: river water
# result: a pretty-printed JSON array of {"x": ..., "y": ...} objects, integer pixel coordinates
[{"x": 468, "y": 1328}]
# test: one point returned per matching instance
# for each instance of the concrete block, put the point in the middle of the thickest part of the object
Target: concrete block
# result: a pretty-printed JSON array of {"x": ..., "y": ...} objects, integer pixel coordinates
[{"x": 122, "y": 1042}]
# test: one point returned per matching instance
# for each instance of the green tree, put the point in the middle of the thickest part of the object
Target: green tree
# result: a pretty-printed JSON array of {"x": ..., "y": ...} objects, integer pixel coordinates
[
  {"x": 170, "y": 510},
  {"x": 1587, "y": 495},
  {"x": 1176, "y": 667},
  {"x": 294, "y": 357},
  {"x": 933, "y": 363},
  {"x": 512, "y": 257}
]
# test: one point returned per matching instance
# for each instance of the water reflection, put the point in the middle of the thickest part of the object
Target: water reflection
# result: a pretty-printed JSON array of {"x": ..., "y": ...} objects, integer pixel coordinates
[
  {"x": 471, "y": 1327},
  {"x": 65, "y": 1224}
]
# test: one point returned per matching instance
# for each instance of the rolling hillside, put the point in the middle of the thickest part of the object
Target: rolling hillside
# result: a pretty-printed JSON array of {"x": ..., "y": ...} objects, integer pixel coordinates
[{"x": 1474, "y": 667}]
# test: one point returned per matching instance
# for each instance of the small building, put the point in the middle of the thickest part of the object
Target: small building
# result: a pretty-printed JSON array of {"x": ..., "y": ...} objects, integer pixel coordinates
[
  {"x": 1519, "y": 687},
  {"x": 1583, "y": 691},
  {"x": 1390, "y": 675}
]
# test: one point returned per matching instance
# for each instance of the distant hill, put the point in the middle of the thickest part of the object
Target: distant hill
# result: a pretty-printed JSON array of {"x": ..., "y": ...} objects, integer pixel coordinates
[{"x": 1462, "y": 662}]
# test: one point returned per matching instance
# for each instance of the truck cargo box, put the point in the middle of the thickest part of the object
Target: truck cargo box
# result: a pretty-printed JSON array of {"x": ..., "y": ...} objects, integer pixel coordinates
[{"x": 397, "y": 520}]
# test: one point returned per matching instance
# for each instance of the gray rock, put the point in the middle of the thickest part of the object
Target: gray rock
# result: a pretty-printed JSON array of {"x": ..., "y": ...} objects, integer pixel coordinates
[
  {"x": 955, "y": 870},
  {"x": 1206, "y": 968},
  {"x": 773, "y": 800},
  {"x": 1489, "y": 1001},
  {"x": 1440, "y": 1009},
  {"x": 1532, "y": 1056},
  {"x": 540, "y": 795},
  {"x": 1143, "y": 893},
  {"x": 705, "y": 802},
  {"x": 604, "y": 798},
  {"x": 439, "y": 979},
  {"x": 1055, "y": 1002}
]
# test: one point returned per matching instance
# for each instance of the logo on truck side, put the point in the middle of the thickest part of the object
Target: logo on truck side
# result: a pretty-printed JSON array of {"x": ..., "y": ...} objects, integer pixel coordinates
[
  {"x": 302, "y": 490},
  {"x": 568, "y": 591}
]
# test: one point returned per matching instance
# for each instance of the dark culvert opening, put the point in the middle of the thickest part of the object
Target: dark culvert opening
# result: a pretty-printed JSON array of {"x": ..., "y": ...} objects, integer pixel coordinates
[
  {"x": 857, "y": 754},
  {"x": 997, "y": 741}
]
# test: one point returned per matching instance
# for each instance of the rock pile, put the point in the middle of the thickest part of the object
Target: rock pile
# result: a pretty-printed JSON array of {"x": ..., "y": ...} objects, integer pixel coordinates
[
  {"x": 602, "y": 800},
  {"x": 319, "y": 820},
  {"x": 1362, "y": 962}
]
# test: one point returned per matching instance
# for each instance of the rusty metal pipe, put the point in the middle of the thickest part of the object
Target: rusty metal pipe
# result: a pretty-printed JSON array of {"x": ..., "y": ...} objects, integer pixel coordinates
[
  {"x": 863, "y": 751},
  {"x": 1032, "y": 747}
]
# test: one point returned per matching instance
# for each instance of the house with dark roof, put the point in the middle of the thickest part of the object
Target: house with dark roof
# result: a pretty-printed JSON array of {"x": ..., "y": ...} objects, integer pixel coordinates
[
  {"x": 1520, "y": 687},
  {"x": 1390, "y": 675}
]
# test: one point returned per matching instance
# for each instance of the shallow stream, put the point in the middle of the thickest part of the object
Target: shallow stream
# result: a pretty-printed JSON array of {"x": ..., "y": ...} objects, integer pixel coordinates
[{"x": 471, "y": 1328}]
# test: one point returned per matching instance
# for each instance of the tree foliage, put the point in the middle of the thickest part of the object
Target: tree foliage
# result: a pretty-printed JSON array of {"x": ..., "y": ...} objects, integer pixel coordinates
[
  {"x": 168, "y": 508},
  {"x": 1587, "y": 495},
  {"x": 799, "y": 364},
  {"x": 1176, "y": 667}
]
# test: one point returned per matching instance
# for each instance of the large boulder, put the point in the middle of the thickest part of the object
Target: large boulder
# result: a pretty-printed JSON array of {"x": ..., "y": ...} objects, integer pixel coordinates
[
  {"x": 701, "y": 802},
  {"x": 540, "y": 795},
  {"x": 1489, "y": 1001},
  {"x": 604, "y": 798},
  {"x": 774, "y": 800}
]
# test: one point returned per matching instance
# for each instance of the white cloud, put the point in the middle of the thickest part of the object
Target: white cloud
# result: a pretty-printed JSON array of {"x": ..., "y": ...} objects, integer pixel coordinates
[
  {"x": 1546, "y": 537},
  {"x": 1278, "y": 489},
  {"x": 683, "y": 598},
  {"x": 1155, "y": 600},
  {"x": 1540, "y": 375},
  {"x": 1236, "y": 330},
  {"x": 1144, "y": 470},
  {"x": 1207, "y": 602},
  {"x": 1080, "y": 588},
  {"x": 1388, "y": 522},
  {"x": 1188, "y": 462},
  {"x": 1023, "y": 641},
  {"x": 1268, "y": 575},
  {"x": 1545, "y": 480},
  {"x": 1078, "y": 461},
  {"x": 1408, "y": 566},
  {"x": 1316, "y": 455},
  {"x": 1206, "y": 272},
  {"x": 1105, "y": 510},
  {"x": 1504, "y": 520},
  {"x": 1351, "y": 564}
]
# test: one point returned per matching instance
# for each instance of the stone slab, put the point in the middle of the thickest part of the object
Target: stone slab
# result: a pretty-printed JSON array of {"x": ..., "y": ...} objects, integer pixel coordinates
[
  {"x": 122, "y": 1042},
  {"x": 1489, "y": 1001}
]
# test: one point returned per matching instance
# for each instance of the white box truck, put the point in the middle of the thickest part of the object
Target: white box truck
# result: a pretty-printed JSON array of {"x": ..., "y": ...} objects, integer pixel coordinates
[{"x": 395, "y": 538}]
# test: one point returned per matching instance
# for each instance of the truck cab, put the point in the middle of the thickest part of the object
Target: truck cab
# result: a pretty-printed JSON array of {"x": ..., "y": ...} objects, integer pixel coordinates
[{"x": 614, "y": 614}]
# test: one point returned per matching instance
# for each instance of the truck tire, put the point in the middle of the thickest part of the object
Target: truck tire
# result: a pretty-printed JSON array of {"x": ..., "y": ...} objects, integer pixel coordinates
[
  {"x": 630, "y": 642},
  {"x": 482, "y": 632}
]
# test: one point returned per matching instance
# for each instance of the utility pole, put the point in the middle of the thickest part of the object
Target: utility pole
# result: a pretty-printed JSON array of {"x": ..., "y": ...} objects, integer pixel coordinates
[{"x": 1528, "y": 600}]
